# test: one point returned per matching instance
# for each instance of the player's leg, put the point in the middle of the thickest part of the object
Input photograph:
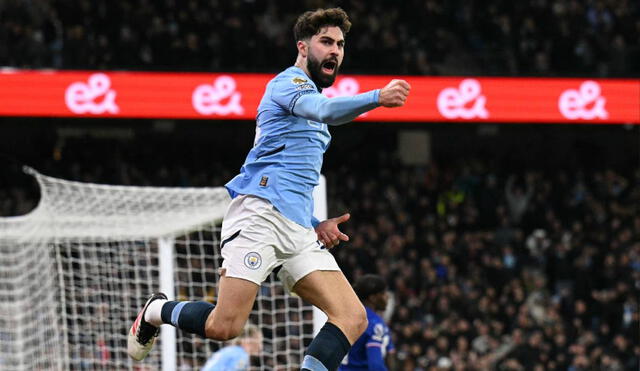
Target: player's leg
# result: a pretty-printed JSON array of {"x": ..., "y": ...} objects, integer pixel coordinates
[
  {"x": 223, "y": 321},
  {"x": 347, "y": 319},
  {"x": 248, "y": 252},
  {"x": 331, "y": 292},
  {"x": 312, "y": 272},
  {"x": 235, "y": 301}
]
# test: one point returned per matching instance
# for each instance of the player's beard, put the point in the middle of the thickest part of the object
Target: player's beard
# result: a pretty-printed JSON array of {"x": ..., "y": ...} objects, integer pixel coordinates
[{"x": 320, "y": 78}]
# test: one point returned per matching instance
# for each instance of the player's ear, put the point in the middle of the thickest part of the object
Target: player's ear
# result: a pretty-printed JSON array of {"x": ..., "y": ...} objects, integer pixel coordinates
[{"x": 303, "y": 48}]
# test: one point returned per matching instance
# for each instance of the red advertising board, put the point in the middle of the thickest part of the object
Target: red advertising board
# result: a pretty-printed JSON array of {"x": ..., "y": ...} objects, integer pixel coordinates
[{"x": 236, "y": 96}]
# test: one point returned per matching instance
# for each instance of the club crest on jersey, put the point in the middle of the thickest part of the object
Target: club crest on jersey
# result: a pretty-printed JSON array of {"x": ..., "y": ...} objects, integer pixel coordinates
[
  {"x": 298, "y": 80},
  {"x": 253, "y": 260},
  {"x": 264, "y": 181}
]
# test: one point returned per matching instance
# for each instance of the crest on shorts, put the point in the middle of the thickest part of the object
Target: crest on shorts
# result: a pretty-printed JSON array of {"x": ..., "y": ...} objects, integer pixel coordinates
[
  {"x": 253, "y": 260},
  {"x": 298, "y": 80}
]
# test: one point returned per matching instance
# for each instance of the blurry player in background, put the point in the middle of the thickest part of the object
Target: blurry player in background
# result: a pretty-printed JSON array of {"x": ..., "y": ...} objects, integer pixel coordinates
[
  {"x": 236, "y": 357},
  {"x": 270, "y": 222},
  {"x": 370, "y": 350}
]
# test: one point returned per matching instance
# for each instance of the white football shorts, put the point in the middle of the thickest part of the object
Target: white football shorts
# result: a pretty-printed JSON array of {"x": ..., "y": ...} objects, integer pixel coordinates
[{"x": 257, "y": 238}]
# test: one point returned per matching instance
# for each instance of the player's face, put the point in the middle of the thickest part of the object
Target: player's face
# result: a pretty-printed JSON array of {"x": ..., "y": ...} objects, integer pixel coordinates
[
  {"x": 326, "y": 51},
  {"x": 253, "y": 344},
  {"x": 380, "y": 301}
]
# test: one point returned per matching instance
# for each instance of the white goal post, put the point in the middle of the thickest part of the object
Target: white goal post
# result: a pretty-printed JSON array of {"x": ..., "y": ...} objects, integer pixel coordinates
[{"x": 75, "y": 271}]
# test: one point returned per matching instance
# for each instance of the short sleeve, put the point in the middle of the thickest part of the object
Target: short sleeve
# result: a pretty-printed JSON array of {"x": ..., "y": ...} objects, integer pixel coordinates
[
  {"x": 376, "y": 333},
  {"x": 287, "y": 89},
  {"x": 241, "y": 364}
]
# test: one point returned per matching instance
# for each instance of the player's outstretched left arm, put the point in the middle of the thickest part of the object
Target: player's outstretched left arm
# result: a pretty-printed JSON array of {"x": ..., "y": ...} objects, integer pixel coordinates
[
  {"x": 340, "y": 110},
  {"x": 335, "y": 111},
  {"x": 329, "y": 233}
]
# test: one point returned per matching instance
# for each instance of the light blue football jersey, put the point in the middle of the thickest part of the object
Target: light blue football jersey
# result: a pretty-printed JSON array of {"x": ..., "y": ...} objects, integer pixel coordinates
[
  {"x": 231, "y": 358},
  {"x": 284, "y": 164}
]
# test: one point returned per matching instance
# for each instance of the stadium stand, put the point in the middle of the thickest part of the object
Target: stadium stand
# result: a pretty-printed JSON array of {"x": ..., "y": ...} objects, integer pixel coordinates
[{"x": 598, "y": 38}]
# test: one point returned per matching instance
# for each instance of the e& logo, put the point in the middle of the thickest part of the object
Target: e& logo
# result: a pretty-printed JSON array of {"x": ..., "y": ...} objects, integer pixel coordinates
[
  {"x": 207, "y": 99},
  {"x": 452, "y": 102},
  {"x": 82, "y": 97},
  {"x": 574, "y": 104}
]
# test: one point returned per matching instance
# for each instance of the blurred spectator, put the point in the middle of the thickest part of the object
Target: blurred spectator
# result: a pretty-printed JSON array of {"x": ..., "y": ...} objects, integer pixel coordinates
[{"x": 517, "y": 199}]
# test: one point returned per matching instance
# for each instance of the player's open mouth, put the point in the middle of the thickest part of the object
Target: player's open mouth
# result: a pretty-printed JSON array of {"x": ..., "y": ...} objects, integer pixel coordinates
[{"x": 329, "y": 66}]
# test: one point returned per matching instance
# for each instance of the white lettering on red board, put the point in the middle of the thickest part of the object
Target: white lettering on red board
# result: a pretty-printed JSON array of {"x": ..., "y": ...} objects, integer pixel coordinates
[
  {"x": 573, "y": 104},
  {"x": 207, "y": 99},
  {"x": 81, "y": 97},
  {"x": 452, "y": 102}
]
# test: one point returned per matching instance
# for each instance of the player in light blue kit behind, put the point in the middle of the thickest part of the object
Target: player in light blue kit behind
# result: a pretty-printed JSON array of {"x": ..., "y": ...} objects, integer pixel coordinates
[
  {"x": 369, "y": 351},
  {"x": 237, "y": 355},
  {"x": 270, "y": 222}
]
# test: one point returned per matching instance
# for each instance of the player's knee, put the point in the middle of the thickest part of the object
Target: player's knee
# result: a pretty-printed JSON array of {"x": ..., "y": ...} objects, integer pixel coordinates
[
  {"x": 222, "y": 334},
  {"x": 354, "y": 321},
  {"x": 223, "y": 331},
  {"x": 360, "y": 321}
]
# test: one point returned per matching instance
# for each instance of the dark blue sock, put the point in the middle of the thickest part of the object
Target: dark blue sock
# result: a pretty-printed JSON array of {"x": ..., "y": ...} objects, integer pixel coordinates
[
  {"x": 327, "y": 349},
  {"x": 190, "y": 316}
]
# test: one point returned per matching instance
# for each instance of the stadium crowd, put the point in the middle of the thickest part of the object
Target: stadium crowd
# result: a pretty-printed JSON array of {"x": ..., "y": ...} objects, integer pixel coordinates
[
  {"x": 541, "y": 272},
  {"x": 425, "y": 37}
]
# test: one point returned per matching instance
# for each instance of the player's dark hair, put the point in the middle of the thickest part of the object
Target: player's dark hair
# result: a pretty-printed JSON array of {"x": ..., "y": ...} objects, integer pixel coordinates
[
  {"x": 369, "y": 284},
  {"x": 312, "y": 22}
]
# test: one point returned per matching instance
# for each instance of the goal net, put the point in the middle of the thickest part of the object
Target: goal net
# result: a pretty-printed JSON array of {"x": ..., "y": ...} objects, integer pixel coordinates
[{"x": 75, "y": 271}]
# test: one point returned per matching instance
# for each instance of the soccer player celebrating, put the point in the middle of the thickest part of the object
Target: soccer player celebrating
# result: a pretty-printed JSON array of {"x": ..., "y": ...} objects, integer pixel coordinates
[
  {"x": 270, "y": 222},
  {"x": 369, "y": 351}
]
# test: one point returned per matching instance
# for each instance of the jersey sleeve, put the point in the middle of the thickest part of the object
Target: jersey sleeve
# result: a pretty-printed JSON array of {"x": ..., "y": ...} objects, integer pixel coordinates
[
  {"x": 287, "y": 89},
  {"x": 374, "y": 346},
  {"x": 335, "y": 111},
  {"x": 376, "y": 333},
  {"x": 298, "y": 96},
  {"x": 241, "y": 363}
]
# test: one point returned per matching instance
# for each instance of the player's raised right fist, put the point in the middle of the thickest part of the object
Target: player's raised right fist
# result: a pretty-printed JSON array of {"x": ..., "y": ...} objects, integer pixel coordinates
[{"x": 394, "y": 94}]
